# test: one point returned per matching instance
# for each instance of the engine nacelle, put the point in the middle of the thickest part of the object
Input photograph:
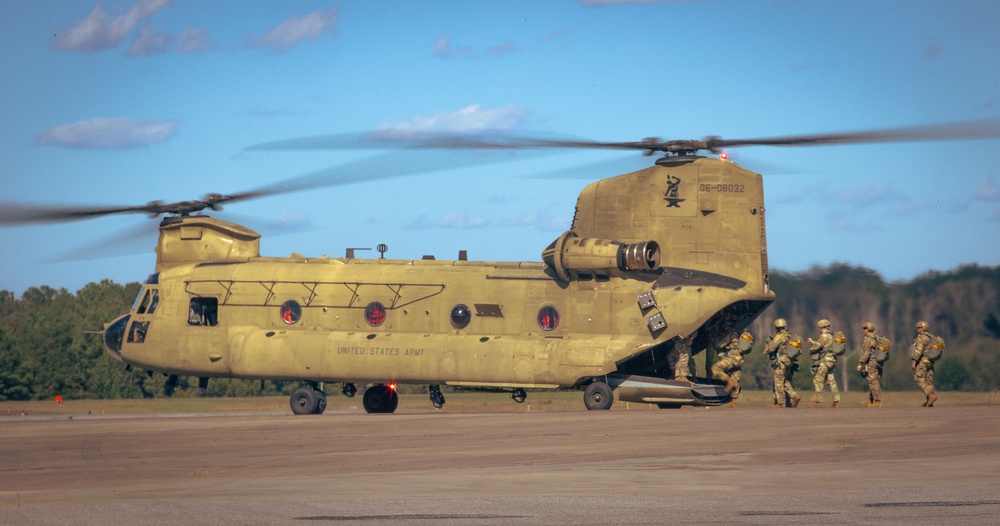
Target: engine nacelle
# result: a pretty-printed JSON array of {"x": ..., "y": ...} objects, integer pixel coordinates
[{"x": 571, "y": 252}]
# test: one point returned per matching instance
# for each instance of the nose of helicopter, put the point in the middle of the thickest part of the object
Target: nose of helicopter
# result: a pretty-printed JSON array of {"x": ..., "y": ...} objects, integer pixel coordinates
[{"x": 114, "y": 335}]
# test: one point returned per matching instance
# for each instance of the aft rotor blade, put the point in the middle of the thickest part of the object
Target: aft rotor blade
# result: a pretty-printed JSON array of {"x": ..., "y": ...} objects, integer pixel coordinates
[{"x": 969, "y": 130}]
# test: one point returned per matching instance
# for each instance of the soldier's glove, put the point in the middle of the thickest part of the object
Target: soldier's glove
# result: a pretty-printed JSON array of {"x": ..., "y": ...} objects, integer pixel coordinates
[
  {"x": 795, "y": 367},
  {"x": 864, "y": 372},
  {"x": 814, "y": 368}
]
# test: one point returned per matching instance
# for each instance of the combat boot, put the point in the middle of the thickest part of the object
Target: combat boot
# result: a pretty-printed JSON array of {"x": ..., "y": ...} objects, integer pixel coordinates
[
  {"x": 815, "y": 403},
  {"x": 795, "y": 400},
  {"x": 931, "y": 398},
  {"x": 836, "y": 403},
  {"x": 867, "y": 402},
  {"x": 730, "y": 405},
  {"x": 876, "y": 404},
  {"x": 777, "y": 406}
]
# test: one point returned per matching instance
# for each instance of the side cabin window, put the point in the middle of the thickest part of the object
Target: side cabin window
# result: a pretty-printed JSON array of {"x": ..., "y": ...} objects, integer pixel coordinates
[{"x": 204, "y": 311}]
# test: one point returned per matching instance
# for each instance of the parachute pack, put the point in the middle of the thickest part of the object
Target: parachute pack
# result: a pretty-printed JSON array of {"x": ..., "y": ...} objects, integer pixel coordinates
[
  {"x": 794, "y": 347},
  {"x": 882, "y": 346},
  {"x": 935, "y": 348},
  {"x": 839, "y": 343},
  {"x": 745, "y": 343}
]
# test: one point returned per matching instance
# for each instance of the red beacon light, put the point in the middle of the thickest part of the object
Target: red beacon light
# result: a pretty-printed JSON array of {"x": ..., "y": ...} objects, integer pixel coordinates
[{"x": 724, "y": 156}]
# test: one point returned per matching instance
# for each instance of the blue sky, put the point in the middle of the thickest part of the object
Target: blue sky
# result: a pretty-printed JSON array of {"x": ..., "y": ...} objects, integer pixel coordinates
[{"x": 126, "y": 102}]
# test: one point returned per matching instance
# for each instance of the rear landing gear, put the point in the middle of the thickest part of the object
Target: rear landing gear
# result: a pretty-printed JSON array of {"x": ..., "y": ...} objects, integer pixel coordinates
[
  {"x": 308, "y": 400},
  {"x": 380, "y": 399},
  {"x": 598, "y": 396}
]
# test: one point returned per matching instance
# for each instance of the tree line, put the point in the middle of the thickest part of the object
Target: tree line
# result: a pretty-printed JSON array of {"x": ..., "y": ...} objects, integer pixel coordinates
[{"x": 50, "y": 343}]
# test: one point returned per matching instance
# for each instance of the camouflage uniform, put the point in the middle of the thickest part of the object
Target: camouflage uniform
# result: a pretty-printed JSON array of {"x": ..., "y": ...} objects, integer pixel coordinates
[
  {"x": 923, "y": 367},
  {"x": 872, "y": 369},
  {"x": 784, "y": 368},
  {"x": 682, "y": 351},
  {"x": 729, "y": 367},
  {"x": 826, "y": 361}
]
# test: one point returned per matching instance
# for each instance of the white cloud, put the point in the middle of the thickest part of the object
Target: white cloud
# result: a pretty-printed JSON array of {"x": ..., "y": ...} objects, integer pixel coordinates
[
  {"x": 103, "y": 133},
  {"x": 988, "y": 190},
  {"x": 148, "y": 41},
  {"x": 458, "y": 220},
  {"x": 472, "y": 118},
  {"x": 444, "y": 49},
  {"x": 295, "y": 30},
  {"x": 97, "y": 32}
]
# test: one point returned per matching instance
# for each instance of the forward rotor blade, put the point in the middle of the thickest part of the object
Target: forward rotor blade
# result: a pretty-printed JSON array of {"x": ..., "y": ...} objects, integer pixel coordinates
[{"x": 20, "y": 214}]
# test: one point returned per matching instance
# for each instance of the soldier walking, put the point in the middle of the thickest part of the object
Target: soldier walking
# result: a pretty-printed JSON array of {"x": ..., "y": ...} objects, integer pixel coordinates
[
  {"x": 777, "y": 350},
  {"x": 922, "y": 365},
  {"x": 729, "y": 368},
  {"x": 869, "y": 367},
  {"x": 826, "y": 360}
]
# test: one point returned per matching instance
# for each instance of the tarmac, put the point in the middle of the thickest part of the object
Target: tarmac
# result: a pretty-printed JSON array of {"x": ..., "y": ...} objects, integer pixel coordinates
[{"x": 685, "y": 466}]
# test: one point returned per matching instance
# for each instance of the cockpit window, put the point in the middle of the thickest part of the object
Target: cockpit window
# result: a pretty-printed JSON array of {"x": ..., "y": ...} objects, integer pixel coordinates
[
  {"x": 204, "y": 311},
  {"x": 146, "y": 302}
]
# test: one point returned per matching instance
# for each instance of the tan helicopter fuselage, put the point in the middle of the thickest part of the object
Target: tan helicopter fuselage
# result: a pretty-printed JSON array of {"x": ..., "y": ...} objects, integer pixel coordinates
[{"x": 651, "y": 256}]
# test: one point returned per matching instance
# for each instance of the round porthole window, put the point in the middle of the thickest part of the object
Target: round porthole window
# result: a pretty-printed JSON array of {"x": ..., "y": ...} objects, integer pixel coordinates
[
  {"x": 291, "y": 312},
  {"x": 375, "y": 314},
  {"x": 460, "y": 316},
  {"x": 548, "y": 318}
]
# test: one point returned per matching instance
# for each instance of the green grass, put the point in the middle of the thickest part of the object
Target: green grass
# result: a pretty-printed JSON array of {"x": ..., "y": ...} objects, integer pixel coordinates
[{"x": 465, "y": 402}]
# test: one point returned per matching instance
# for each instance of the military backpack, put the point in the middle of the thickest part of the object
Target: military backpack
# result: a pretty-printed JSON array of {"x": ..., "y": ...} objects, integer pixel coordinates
[
  {"x": 745, "y": 343},
  {"x": 839, "y": 343},
  {"x": 935, "y": 348},
  {"x": 793, "y": 348},
  {"x": 882, "y": 346}
]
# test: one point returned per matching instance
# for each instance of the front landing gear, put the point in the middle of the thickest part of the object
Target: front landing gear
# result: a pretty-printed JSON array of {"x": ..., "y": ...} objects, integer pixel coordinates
[
  {"x": 380, "y": 399},
  {"x": 308, "y": 400},
  {"x": 437, "y": 399}
]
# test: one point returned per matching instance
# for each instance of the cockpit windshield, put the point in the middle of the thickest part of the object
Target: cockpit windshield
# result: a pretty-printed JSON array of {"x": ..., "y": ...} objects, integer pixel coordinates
[{"x": 146, "y": 301}]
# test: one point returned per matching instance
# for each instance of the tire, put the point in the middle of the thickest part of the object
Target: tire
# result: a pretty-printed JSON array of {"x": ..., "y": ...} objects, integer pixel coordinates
[
  {"x": 320, "y": 402},
  {"x": 304, "y": 401},
  {"x": 598, "y": 397},
  {"x": 380, "y": 399}
]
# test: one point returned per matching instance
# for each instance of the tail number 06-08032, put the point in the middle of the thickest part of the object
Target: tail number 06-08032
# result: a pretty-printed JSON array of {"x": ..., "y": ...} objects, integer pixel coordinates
[{"x": 721, "y": 188}]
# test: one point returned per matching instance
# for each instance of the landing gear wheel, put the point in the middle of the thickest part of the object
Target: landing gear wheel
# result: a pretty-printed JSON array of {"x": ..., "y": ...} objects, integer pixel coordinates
[
  {"x": 320, "y": 402},
  {"x": 380, "y": 399},
  {"x": 598, "y": 396},
  {"x": 437, "y": 399},
  {"x": 306, "y": 401},
  {"x": 519, "y": 395}
]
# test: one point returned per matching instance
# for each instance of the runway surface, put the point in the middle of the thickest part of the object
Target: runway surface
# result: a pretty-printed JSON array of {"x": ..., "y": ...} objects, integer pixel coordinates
[{"x": 687, "y": 466}]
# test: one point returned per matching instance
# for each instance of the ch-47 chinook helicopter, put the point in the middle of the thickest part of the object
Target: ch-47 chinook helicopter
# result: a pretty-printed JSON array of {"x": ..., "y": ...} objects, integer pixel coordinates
[{"x": 652, "y": 257}]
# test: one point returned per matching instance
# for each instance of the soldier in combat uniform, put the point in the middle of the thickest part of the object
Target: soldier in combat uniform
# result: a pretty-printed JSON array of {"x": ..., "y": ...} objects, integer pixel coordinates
[
  {"x": 783, "y": 366},
  {"x": 729, "y": 367},
  {"x": 682, "y": 350},
  {"x": 923, "y": 367},
  {"x": 826, "y": 361},
  {"x": 869, "y": 367}
]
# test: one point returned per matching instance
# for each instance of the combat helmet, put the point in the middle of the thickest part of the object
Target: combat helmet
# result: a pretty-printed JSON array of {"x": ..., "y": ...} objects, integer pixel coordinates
[
  {"x": 780, "y": 323},
  {"x": 823, "y": 323},
  {"x": 922, "y": 325},
  {"x": 869, "y": 325}
]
